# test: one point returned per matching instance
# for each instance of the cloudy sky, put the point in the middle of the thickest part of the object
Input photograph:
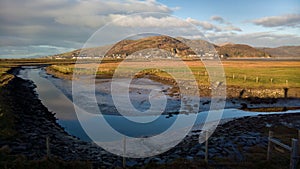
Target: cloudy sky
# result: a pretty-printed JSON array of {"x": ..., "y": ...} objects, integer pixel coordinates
[{"x": 44, "y": 27}]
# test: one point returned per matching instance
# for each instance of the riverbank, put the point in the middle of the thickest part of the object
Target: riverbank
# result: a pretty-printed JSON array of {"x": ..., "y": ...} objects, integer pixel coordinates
[{"x": 231, "y": 144}]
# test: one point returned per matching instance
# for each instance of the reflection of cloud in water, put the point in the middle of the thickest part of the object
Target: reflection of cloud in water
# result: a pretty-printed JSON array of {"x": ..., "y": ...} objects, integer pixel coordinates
[{"x": 51, "y": 97}]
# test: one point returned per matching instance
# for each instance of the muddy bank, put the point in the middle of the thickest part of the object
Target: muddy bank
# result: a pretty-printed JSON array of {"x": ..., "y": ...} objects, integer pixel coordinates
[{"x": 58, "y": 74}]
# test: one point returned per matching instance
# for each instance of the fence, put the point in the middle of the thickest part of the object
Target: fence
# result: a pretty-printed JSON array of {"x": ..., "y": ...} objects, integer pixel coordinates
[{"x": 293, "y": 149}]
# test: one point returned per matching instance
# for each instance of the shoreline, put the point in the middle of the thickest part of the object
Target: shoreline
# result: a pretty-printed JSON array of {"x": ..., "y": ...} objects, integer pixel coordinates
[{"x": 34, "y": 123}]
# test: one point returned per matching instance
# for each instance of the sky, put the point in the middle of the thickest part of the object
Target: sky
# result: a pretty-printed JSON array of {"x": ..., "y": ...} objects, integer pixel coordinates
[{"x": 31, "y": 28}]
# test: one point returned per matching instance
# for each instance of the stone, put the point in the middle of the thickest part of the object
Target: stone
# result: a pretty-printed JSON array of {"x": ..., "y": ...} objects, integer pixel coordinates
[{"x": 131, "y": 163}]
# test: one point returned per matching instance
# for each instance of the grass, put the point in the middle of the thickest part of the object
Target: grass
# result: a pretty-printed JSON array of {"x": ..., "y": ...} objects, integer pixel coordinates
[
  {"x": 265, "y": 74},
  {"x": 4, "y": 76}
]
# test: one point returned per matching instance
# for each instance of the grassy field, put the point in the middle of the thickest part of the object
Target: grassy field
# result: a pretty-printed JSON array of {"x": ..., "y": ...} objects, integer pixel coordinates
[{"x": 238, "y": 73}]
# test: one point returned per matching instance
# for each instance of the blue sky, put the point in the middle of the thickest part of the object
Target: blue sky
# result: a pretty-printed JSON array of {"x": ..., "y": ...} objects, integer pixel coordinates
[
  {"x": 239, "y": 13},
  {"x": 45, "y": 27}
]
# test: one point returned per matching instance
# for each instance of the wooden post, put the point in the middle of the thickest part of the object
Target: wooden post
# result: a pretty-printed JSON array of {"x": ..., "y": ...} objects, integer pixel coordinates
[
  {"x": 287, "y": 82},
  {"x": 48, "y": 147},
  {"x": 256, "y": 79},
  {"x": 269, "y": 145},
  {"x": 294, "y": 154},
  {"x": 271, "y": 80},
  {"x": 206, "y": 146},
  {"x": 232, "y": 76},
  {"x": 124, "y": 152},
  {"x": 245, "y": 78},
  {"x": 298, "y": 141},
  {"x": 286, "y": 92}
]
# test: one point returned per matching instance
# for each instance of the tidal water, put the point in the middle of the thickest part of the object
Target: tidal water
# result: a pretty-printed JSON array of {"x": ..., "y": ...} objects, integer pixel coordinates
[{"x": 56, "y": 95}]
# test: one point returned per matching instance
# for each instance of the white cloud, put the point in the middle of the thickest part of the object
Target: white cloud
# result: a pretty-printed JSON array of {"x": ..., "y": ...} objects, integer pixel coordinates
[
  {"x": 225, "y": 25},
  {"x": 232, "y": 28},
  {"x": 217, "y": 18},
  {"x": 207, "y": 26},
  {"x": 258, "y": 39},
  {"x": 63, "y": 22},
  {"x": 203, "y": 24},
  {"x": 150, "y": 21},
  {"x": 290, "y": 20},
  {"x": 31, "y": 51}
]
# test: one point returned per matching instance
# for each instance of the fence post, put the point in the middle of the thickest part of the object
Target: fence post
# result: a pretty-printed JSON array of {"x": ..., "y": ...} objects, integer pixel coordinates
[
  {"x": 206, "y": 146},
  {"x": 48, "y": 147},
  {"x": 298, "y": 141},
  {"x": 294, "y": 154},
  {"x": 269, "y": 145}
]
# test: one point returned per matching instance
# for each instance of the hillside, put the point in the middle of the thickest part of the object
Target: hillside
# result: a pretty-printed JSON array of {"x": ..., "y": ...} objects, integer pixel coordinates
[
  {"x": 240, "y": 51},
  {"x": 129, "y": 47},
  {"x": 283, "y": 52}
]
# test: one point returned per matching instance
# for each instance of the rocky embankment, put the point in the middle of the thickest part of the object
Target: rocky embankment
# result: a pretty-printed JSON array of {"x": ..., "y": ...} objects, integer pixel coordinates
[{"x": 34, "y": 123}]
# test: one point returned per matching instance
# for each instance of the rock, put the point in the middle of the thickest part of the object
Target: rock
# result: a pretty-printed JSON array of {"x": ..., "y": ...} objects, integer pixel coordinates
[
  {"x": 107, "y": 164},
  {"x": 200, "y": 153},
  {"x": 189, "y": 158},
  {"x": 131, "y": 163}
]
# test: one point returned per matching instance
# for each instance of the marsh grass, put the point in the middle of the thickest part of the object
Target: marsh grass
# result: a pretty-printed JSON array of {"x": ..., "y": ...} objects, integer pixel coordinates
[
  {"x": 4, "y": 76},
  {"x": 253, "y": 74}
]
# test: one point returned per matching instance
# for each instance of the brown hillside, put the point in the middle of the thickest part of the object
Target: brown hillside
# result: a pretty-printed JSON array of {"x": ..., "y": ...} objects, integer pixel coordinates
[
  {"x": 283, "y": 51},
  {"x": 127, "y": 47},
  {"x": 240, "y": 51}
]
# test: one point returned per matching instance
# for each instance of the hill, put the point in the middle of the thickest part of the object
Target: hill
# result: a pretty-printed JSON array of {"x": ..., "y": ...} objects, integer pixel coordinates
[
  {"x": 156, "y": 46},
  {"x": 240, "y": 51},
  {"x": 288, "y": 52}
]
